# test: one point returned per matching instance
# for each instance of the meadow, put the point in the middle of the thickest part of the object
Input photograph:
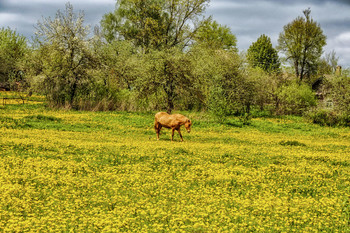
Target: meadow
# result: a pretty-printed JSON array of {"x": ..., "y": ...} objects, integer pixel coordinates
[{"x": 76, "y": 171}]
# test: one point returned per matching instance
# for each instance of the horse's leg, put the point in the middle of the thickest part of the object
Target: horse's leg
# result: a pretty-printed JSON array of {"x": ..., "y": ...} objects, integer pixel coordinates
[
  {"x": 180, "y": 135},
  {"x": 172, "y": 134},
  {"x": 157, "y": 127}
]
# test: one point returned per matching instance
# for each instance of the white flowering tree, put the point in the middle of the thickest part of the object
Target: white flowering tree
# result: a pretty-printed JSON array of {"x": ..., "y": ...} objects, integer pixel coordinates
[{"x": 64, "y": 57}]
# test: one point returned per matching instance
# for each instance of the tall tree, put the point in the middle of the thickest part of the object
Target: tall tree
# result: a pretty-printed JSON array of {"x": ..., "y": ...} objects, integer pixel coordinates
[
  {"x": 161, "y": 29},
  {"x": 302, "y": 42},
  {"x": 169, "y": 72},
  {"x": 64, "y": 55},
  {"x": 262, "y": 54},
  {"x": 155, "y": 24}
]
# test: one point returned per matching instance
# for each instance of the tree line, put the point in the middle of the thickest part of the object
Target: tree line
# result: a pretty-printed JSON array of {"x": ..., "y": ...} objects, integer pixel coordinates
[{"x": 166, "y": 55}]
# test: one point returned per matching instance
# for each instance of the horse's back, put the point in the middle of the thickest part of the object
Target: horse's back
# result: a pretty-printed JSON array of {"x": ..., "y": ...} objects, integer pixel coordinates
[
  {"x": 161, "y": 114},
  {"x": 162, "y": 117},
  {"x": 165, "y": 115},
  {"x": 180, "y": 118}
]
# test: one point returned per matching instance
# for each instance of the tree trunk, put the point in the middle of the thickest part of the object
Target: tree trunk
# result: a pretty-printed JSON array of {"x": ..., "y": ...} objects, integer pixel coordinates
[
  {"x": 296, "y": 66},
  {"x": 170, "y": 105},
  {"x": 73, "y": 92}
]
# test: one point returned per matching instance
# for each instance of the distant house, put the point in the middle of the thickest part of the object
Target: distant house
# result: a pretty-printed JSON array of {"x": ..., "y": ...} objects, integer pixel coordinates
[{"x": 322, "y": 88}]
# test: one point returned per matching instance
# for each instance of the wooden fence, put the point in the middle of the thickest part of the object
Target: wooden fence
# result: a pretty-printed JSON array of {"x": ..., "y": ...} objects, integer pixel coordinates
[{"x": 8, "y": 100}]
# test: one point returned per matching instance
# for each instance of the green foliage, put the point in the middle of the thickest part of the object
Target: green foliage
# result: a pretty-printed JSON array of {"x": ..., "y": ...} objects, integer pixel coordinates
[
  {"x": 137, "y": 21},
  {"x": 325, "y": 65},
  {"x": 323, "y": 117},
  {"x": 215, "y": 36},
  {"x": 168, "y": 73},
  {"x": 230, "y": 90},
  {"x": 160, "y": 74},
  {"x": 340, "y": 93},
  {"x": 331, "y": 59},
  {"x": 295, "y": 98},
  {"x": 218, "y": 104},
  {"x": 333, "y": 109},
  {"x": 291, "y": 143},
  {"x": 266, "y": 86},
  {"x": 121, "y": 64},
  {"x": 261, "y": 54},
  {"x": 154, "y": 24},
  {"x": 302, "y": 42},
  {"x": 13, "y": 51},
  {"x": 225, "y": 86}
]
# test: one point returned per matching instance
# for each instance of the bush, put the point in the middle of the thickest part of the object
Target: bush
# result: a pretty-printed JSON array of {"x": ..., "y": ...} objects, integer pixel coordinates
[
  {"x": 326, "y": 117},
  {"x": 295, "y": 99},
  {"x": 341, "y": 94},
  {"x": 323, "y": 117},
  {"x": 218, "y": 104}
]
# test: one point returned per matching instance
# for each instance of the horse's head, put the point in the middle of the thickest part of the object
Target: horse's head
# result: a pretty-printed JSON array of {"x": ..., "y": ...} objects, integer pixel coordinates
[{"x": 188, "y": 124}]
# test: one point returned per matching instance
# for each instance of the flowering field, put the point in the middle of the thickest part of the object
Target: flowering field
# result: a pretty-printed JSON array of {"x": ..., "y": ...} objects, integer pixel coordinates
[{"x": 74, "y": 171}]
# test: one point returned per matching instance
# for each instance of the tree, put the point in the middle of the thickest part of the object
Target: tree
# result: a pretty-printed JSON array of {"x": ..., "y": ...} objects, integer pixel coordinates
[
  {"x": 64, "y": 56},
  {"x": 326, "y": 65},
  {"x": 169, "y": 72},
  {"x": 13, "y": 49},
  {"x": 154, "y": 24},
  {"x": 261, "y": 54},
  {"x": 323, "y": 67},
  {"x": 215, "y": 36},
  {"x": 302, "y": 42},
  {"x": 221, "y": 81},
  {"x": 266, "y": 86},
  {"x": 159, "y": 30},
  {"x": 332, "y": 60},
  {"x": 137, "y": 20}
]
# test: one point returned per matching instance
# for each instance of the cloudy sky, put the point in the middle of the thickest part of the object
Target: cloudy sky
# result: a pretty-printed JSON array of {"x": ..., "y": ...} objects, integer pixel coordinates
[{"x": 248, "y": 19}]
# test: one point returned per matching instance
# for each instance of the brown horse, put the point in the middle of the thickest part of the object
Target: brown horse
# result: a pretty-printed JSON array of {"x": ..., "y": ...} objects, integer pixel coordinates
[{"x": 174, "y": 122}]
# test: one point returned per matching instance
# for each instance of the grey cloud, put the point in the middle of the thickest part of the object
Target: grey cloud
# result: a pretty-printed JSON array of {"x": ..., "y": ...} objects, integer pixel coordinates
[
  {"x": 288, "y": 2},
  {"x": 251, "y": 18},
  {"x": 332, "y": 27},
  {"x": 30, "y": 13},
  {"x": 247, "y": 19}
]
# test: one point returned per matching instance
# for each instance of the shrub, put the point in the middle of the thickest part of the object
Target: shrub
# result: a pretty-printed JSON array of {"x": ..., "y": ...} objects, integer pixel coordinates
[
  {"x": 218, "y": 104},
  {"x": 295, "y": 98},
  {"x": 322, "y": 117},
  {"x": 325, "y": 117},
  {"x": 341, "y": 94}
]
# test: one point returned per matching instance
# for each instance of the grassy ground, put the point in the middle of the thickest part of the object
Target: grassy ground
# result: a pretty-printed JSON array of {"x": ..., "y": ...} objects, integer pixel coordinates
[{"x": 105, "y": 171}]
